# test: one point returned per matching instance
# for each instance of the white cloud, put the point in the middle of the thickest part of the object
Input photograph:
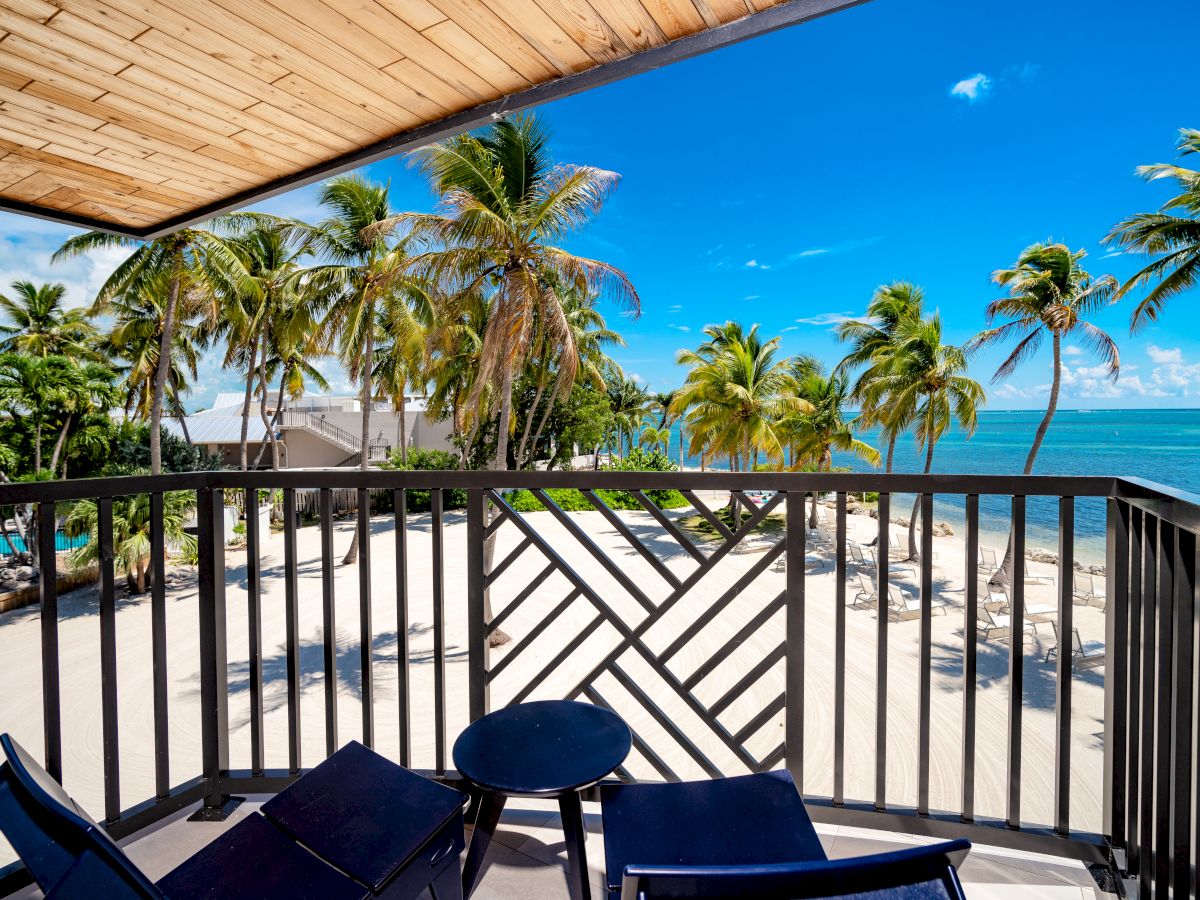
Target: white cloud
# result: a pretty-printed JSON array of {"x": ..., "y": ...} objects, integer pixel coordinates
[
  {"x": 815, "y": 251},
  {"x": 972, "y": 89},
  {"x": 675, "y": 307},
  {"x": 825, "y": 319},
  {"x": 752, "y": 264},
  {"x": 1072, "y": 351},
  {"x": 790, "y": 328},
  {"x": 1163, "y": 356},
  {"x": 752, "y": 296},
  {"x": 683, "y": 328}
]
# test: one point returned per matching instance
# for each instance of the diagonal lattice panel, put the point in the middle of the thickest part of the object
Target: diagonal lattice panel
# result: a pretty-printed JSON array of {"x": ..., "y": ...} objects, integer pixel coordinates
[{"x": 677, "y": 684}]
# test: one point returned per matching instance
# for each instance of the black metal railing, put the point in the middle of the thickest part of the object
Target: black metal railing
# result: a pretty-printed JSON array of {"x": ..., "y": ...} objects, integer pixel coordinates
[{"x": 648, "y": 620}]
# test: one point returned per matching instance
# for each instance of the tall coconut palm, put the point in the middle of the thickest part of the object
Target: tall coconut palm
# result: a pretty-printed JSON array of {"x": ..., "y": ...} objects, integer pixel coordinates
[
  {"x": 505, "y": 206},
  {"x": 39, "y": 325},
  {"x": 1172, "y": 234},
  {"x": 35, "y": 387},
  {"x": 815, "y": 432},
  {"x": 365, "y": 265},
  {"x": 86, "y": 391},
  {"x": 923, "y": 373},
  {"x": 871, "y": 340},
  {"x": 405, "y": 321},
  {"x": 628, "y": 399},
  {"x": 1049, "y": 292},
  {"x": 134, "y": 344},
  {"x": 453, "y": 349},
  {"x": 734, "y": 396},
  {"x": 197, "y": 257}
]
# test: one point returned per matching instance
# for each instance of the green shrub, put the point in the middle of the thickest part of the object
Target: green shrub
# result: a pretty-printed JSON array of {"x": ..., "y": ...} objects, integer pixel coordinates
[
  {"x": 572, "y": 500},
  {"x": 420, "y": 460}
]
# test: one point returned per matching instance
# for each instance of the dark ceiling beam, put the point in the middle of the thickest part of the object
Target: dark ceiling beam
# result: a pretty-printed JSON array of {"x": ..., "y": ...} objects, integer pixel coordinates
[{"x": 792, "y": 12}]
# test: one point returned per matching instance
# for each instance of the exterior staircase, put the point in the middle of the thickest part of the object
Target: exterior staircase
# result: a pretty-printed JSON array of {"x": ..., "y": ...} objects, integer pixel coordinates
[{"x": 339, "y": 437}]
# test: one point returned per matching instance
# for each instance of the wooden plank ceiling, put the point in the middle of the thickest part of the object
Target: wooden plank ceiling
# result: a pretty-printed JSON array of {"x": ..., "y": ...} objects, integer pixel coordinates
[{"x": 139, "y": 115}]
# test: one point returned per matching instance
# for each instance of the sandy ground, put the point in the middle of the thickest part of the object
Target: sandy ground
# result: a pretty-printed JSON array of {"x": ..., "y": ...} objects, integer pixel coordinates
[{"x": 20, "y": 703}]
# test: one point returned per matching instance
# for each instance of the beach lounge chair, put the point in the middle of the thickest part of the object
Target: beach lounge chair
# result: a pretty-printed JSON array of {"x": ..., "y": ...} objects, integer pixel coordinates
[
  {"x": 988, "y": 564},
  {"x": 355, "y": 827},
  {"x": 1030, "y": 578},
  {"x": 1084, "y": 654},
  {"x": 1085, "y": 590},
  {"x": 902, "y": 605},
  {"x": 867, "y": 594},
  {"x": 892, "y": 566},
  {"x": 857, "y": 557},
  {"x": 749, "y": 836},
  {"x": 1037, "y": 613},
  {"x": 990, "y": 622}
]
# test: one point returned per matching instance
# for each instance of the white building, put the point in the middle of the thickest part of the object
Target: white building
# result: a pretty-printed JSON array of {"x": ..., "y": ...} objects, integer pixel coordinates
[{"x": 314, "y": 432}]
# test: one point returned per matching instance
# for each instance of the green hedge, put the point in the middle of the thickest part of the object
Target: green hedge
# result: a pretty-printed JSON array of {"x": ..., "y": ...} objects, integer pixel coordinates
[{"x": 572, "y": 500}]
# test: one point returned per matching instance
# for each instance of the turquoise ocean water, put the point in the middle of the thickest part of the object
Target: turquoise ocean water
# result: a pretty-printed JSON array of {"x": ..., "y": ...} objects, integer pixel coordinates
[{"x": 1161, "y": 445}]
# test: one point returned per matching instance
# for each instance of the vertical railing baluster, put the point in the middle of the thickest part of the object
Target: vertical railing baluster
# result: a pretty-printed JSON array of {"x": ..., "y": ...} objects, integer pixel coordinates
[
  {"x": 439, "y": 632},
  {"x": 254, "y": 629},
  {"x": 1150, "y": 601},
  {"x": 1016, "y": 664},
  {"x": 158, "y": 647},
  {"x": 1133, "y": 734},
  {"x": 794, "y": 553},
  {"x": 403, "y": 684},
  {"x": 925, "y": 652},
  {"x": 329, "y": 618},
  {"x": 839, "y": 655},
  {"x": 970, "y": 655},
  {"x": 291, "y": 600},
  {"x": 1062, "y": 690},
  {"x": 1183, "y": 759},
  {"x": 365, "y": 629},
  {"x": 1164, "y": 679},
  {"x": 48, "y": 595},
  {"x": 477, "y": 686},
  {"x": 108, "y": 661},
  {"x": 1116, "y": 642},
  {"x": 214, "y": 673},
  {"x": 881, "y": 650}
]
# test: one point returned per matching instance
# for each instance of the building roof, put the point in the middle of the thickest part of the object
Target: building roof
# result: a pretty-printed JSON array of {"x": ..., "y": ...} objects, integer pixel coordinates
[
  {"x": 142, "y": 116},
  {"x": 217, "y": 429}
]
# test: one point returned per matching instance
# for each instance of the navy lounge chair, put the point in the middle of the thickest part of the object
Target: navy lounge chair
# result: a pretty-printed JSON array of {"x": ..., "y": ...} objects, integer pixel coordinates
[
  {"x": 71, "y": 857},
  {"x": 749, "y": 836}
]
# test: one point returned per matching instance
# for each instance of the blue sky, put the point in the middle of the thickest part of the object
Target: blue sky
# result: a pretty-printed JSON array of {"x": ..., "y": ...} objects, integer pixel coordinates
[{"x": 779, "y": 181}]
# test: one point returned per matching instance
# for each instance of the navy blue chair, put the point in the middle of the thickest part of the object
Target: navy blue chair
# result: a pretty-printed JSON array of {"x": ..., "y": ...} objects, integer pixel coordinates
[
  {"x": 920, "y": 873},
  {"x": 744, "y": 836},
  {"x": 70, "y": 856}
]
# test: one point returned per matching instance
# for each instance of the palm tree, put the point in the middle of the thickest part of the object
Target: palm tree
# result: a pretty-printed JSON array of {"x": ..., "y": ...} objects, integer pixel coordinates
[
  {"x": 193, "y": 257},
  {"x": 86, "y": 391},
  {"x": 814, "y": 433},
  {"x": 735, "y": 394},
  {"x": 871, "y": 340},
  {"x": 923, "y": 374},
  {"x": 37, "y": 386},
  {"x": 405, "y": 321},
  {"x": 40, "y": 326},
  {"x": 453, "y": 349},
  {"x": 1172, "y": 233},
  {"x": 1048, "y": 293},
  {"x": 628, "y": 399},
  {"x": 655, "y": 438},
  {"x": 134, "y": 344},
  {"x": 131, "y": 524},
  {"x": 365, "y": 267},
  {"x": 504, "y": 206}
]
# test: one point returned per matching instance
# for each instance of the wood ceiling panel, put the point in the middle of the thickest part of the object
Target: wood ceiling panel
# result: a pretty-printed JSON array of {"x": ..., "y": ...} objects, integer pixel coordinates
[{"x": 143, "y": 115}]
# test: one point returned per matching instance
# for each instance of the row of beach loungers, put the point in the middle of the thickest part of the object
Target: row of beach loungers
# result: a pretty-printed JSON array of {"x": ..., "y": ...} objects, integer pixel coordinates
[{"x": 994, "y": 619}]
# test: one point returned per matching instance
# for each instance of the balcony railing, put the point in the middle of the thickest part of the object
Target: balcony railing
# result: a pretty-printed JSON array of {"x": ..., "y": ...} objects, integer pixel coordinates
[{"x": 722, "y": 661}]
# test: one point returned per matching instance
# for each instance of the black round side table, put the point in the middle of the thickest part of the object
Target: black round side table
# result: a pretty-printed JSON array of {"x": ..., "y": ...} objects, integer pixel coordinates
[{"x": 550, "y": 749}]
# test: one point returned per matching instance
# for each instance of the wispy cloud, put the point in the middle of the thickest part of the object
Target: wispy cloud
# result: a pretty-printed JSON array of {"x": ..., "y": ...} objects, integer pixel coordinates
[
  {"x": 752, "y": 297},
  {"x": 684, "y": 328},
  {"x": 1072, "y": 351},
  {"x": 816, "y": 251},
  {"x": 972, "y": 89},
  {"x": 826, "y": 318},
  {"x": 1164, "y": 356},
  {"x": 790, "y": 328},
  {"x": 755, "y": 264},
  {"x": 675, "y": 307}
]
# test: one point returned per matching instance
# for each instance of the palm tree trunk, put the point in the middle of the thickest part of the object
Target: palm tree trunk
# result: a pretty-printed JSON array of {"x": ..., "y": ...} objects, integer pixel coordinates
[
  {"x": 912, "y": 521},
  {"x": 276, "y": 416},
  {"x": 365, "y": 395},
  {"x": 164, "y": 361},
  {"x": 62, "y": 440},
  {"x": 529, "y": 413},
  {"x": 891, "y": 452},
  {"x": 37, "y": 447},
  {"x": 246, "y": 401},
  {"x": 1006, "y": 573},
  {"x": 403, "y": 429},
  {"x": 499, "y": 464},
  {"x": 537, "y": 435},
  {"x": 262, "y": 409}
]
